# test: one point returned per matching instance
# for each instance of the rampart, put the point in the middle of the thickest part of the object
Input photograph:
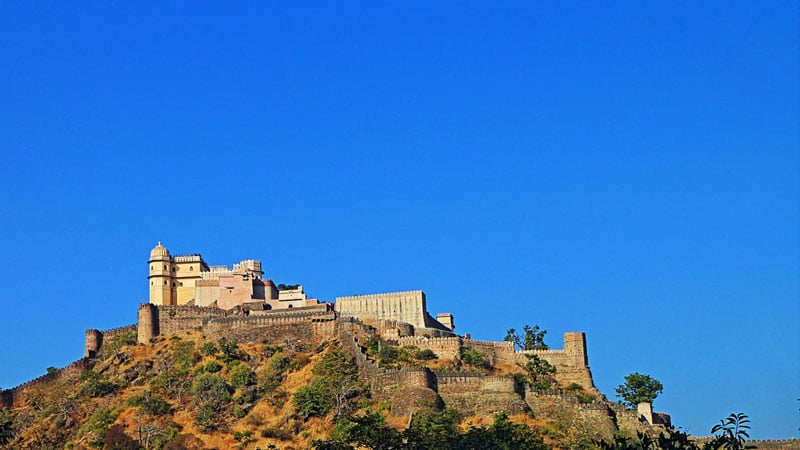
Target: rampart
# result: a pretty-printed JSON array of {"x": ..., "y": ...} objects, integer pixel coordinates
[
  {"x": 311, "y": 325},
  {"x": 481, "y": 395},
  {"x": 571, "y": 362},
  {"x": 96, "y": 338},
  {"x": 15, "y": 396},
  {"x": 761, "y": 444}
]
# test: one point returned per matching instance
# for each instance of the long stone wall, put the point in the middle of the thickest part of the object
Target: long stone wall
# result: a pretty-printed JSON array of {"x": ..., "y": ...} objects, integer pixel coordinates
[
  {"x": 297, "y": 323},
  {"x": 481, "y": 395},
  {"x": 571, "y": 361},
  {"x": 14, "y": 397}
]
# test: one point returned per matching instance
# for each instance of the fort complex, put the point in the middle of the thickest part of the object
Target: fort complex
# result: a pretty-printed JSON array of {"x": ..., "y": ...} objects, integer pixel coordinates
[
  {"x": 188, "y": 295},
  {"x": 188, "y": 280}
]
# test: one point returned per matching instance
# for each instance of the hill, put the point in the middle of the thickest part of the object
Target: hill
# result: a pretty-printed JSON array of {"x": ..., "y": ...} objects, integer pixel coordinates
[{"x": 193, "y": 390}]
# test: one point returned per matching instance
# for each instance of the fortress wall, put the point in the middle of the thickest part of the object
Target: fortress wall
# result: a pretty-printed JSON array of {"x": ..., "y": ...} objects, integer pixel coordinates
[
  {"x": 108, "y": 334},
  {"x": 302, "y": 328},
  {"x": 409, "y": 388},
  {"x": 406, "y": 306},
  {"x": 571, "y": 363},
  {"x": 594, "y": 419},
  {"x": 15, "y": 396},
  {"x": 95, "y": 338},
  {"x": 760, "y": 444},
  {"x": 445, "y": 348},
  {"x": 498, "y": 352},
  {"x": 536, "y": 398},
  {"x": 391, "y": 329},
  {"x": 481, "y": 395},
  {"x": 173, "y": 319}
]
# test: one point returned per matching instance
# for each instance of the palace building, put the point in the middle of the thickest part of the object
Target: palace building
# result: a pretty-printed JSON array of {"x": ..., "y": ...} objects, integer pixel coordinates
[{"x": 189, "y": 280}]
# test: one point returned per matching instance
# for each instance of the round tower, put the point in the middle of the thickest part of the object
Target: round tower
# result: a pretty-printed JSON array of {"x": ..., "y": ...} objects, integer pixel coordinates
[{"x": 160, "y": 276}]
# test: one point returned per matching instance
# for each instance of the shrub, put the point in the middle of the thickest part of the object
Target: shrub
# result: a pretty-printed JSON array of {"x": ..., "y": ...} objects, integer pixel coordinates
[
  {"x": 209, "y": 349},
  {"x": 183, "y": 354},
  {"x": 120, "y": 339},
  {"x": 315, "y": 399},
  {"x": 230, "y": 350},
  {"x": 387, "y": 356},
  {"x": 95, "y": 384},
  {"x": 239, "y": 412},
  {"x": 212, "y": 367},
  {"x": 372, "y": 345},
  {"x": 270, "y": 350},
  {"x": 97, "y": 426},
  {"x": 475, "y": 357},
  {"x": 150, "y": 404},
  {"x": 241, "y": 376},
  {"x": 210, "y": 389},
  {"x": 426, "y": 354}
]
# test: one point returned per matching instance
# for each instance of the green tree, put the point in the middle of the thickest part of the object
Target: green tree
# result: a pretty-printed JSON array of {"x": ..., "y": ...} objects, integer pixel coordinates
[
  {"x": 475, "y": 357},
  {"x": 242, "y": 376},
  {"x": 208, "y": 349},
  {"x": 230, "y": 350},
  {"x": 95, "y": 384},
  {"x": 371, "y": 431},
  {"x": 540, "y": 372},
  {"x": 212, "y": 395},
  {"x": 433, "y": 429},
  {"x": 531, "y": 338},
  {"x": 315, "y": 399},
  {"x": 502, "y": 435},
  {"x": 733, "y": 433},
  {"x": 639, "y": 388},
  {"x": 210, "y": 389}
]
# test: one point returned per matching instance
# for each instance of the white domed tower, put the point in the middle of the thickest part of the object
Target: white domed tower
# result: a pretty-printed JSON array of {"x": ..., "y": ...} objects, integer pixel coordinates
[{"x": 160, "y": 277}]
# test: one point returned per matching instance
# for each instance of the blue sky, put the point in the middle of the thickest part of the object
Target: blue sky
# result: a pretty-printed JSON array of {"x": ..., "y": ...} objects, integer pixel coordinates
[{"x": 628, "y": 169}]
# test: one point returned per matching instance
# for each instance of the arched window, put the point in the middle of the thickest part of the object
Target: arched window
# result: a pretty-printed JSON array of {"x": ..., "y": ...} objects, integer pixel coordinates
[
  {"x": 151, "y": 283},
  {"x": 173, "y": 284},
  {"x": 191, "y": 268},
  {"x": 165, "y": 282},
  {"x": 173, "y": 269},
  {"x": 165, "y": 267},
  {"x": 151, "y": 268}
]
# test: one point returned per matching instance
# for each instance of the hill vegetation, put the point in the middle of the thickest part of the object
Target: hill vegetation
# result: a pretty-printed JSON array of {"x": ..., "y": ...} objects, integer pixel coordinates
[{"x": 191, "y": 392}]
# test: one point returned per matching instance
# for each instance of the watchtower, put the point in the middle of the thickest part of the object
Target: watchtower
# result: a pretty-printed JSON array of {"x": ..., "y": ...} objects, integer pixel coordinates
[{"x": 161, "y": 277}]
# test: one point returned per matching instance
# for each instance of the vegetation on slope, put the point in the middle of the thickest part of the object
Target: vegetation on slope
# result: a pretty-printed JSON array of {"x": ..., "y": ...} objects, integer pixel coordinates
[{"x": 191, "y": 392}]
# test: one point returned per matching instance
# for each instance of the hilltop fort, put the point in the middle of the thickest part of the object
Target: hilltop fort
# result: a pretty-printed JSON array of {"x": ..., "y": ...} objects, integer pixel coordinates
[{"x": 187, "y": 295}]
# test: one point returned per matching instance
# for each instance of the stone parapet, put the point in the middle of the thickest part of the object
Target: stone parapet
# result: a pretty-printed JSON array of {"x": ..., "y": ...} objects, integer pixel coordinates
[{"x": 14, "y": 397}]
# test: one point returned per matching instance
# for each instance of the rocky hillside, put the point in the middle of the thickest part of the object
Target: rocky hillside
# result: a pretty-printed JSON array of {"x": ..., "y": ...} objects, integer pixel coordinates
[{"x": 189, "y": 391}]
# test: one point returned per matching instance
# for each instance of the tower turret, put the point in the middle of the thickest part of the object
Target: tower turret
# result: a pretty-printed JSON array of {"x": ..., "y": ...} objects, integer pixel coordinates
[{"x": 161, "y": 276}]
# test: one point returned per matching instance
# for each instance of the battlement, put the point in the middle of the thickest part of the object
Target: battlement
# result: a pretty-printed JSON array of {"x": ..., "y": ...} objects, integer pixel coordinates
[
  {"x": 248, "y": 265},
  {"x": 188, "y": 258},
  {"x": 380, "y": 295},
  {"x": 14, "y": 397}
]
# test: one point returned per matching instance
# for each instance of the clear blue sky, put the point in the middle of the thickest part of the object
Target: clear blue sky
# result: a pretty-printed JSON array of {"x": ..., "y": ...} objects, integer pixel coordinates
[{"x": 629, "y": 169}]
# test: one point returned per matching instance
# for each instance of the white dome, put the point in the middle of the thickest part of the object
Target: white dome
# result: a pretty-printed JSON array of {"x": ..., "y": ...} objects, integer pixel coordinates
[{"x": 159, "y": 252}]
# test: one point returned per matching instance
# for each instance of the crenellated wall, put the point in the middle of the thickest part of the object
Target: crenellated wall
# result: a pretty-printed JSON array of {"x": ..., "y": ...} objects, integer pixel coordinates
[
  {"x": 96, "y": 338},
  {"x": 300, "y": 324},
  {"x": 445, "y": 347},
  {"x": 481, "y": 395},
  {"x": 571, "y": 361},
  {"x": 14, "y": 397}
]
